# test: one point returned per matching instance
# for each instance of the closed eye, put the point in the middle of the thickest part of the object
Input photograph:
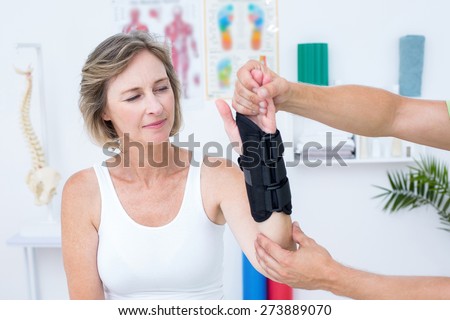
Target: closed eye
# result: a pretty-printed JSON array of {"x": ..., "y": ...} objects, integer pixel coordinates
[
  {"x": 133, "y": 98},
  {"x": 162, "y": 89}
]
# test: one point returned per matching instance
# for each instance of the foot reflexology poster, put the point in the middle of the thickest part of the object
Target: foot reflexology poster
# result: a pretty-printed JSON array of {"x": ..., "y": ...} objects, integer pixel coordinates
[{"x": 236, "y": 31}]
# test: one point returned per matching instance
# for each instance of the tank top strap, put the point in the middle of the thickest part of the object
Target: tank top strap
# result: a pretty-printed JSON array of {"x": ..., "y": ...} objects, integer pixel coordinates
[
  {"x": 111, "y": 207},
  {"x": 104, "y": 182},
  {"x": 193, "y": 186}
]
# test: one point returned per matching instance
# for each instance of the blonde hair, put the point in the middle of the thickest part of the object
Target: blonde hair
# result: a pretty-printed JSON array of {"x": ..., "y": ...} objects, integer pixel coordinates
[{"x": 109, "y": 59}]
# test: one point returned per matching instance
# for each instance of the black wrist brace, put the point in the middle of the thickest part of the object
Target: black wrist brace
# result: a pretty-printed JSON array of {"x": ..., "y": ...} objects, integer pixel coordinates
[{"x": 264, "y": 170}]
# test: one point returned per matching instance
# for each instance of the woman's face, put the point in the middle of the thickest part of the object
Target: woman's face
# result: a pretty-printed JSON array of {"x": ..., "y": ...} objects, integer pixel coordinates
[{"x": 140, "y": 100}]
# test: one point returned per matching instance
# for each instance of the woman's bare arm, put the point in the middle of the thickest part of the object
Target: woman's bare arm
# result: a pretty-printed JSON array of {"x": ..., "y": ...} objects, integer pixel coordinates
[{"x": 80, "y": 206}]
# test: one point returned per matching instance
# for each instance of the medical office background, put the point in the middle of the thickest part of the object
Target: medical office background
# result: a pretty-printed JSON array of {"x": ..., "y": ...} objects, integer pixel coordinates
[{"x": 333, "y": 204}]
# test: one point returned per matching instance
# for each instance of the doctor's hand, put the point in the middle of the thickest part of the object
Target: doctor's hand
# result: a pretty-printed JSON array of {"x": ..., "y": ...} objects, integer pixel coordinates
[
  {"x": 255, "y": 84},
  {"x": 309, "y": 267}
]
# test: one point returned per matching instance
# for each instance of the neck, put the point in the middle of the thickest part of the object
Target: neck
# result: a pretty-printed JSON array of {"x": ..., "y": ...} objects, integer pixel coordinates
[
  {"x": 152, "y": 161},
  {"x": 135, "y": 154}
]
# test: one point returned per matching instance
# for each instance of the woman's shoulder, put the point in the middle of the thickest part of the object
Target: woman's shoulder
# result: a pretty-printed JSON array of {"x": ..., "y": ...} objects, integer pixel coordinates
[
  {"x": 83, "y": 182},
  {"x": 81, "y": 197}
]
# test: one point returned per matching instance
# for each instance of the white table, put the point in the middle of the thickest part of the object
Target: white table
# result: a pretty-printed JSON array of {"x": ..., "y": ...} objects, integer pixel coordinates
[{"x": 29, "y": 244}]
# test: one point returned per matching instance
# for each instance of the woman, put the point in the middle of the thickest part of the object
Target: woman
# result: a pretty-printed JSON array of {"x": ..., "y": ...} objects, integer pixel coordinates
[{"x": 147, "y": 224}]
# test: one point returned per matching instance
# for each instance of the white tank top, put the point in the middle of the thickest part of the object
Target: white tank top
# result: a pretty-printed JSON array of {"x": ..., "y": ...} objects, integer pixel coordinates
[{"x": 180, "y": 260}]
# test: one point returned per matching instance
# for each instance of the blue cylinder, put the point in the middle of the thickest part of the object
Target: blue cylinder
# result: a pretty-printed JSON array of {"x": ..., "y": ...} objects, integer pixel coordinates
[{"x": 254, "y": 283}]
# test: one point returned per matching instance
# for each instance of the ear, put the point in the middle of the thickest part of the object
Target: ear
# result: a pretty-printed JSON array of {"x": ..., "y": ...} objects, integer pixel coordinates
[{"x": 105, "y": 115}]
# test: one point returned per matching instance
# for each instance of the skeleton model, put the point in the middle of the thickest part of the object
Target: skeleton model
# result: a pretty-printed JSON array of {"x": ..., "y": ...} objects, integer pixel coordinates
[{"x": 42, "y": 180}]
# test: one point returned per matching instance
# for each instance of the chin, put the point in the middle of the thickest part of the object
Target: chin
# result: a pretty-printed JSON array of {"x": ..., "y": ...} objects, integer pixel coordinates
[{"x": 157, "y": 139}]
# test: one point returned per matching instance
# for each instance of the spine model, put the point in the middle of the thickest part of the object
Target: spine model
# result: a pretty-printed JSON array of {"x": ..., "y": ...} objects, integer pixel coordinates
[{"x": 42, "y": 180}]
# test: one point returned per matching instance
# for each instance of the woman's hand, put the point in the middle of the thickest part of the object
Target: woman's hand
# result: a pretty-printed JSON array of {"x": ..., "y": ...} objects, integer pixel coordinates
[{"x": 265, "y": 121}]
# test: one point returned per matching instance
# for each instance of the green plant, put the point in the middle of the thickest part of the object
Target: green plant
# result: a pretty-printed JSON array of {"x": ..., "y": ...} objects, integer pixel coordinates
[{"x": 426, "y": 183}]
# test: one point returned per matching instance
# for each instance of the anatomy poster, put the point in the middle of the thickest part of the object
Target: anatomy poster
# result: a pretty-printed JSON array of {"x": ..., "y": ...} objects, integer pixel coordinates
[
  {"x": 236, "y": 31},
  {"x": 178, "y": 22}
]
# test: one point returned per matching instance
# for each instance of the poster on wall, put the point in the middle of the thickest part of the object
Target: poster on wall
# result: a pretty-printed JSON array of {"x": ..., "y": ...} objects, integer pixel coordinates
[
  {"x": 236, "y": 31},
  {"x": 177, "y": 22}
]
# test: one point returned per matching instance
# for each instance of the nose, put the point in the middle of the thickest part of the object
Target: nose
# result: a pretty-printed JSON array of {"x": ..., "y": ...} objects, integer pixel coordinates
[{"x": 153, "y": 105}]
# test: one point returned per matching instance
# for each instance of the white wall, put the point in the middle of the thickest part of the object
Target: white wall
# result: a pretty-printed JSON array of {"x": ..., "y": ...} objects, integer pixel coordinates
[{"x": 333, "y": 204}]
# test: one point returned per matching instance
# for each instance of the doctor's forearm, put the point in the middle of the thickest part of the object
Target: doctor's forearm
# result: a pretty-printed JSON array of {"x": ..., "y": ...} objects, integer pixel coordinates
[
  {"x": 358, "y": 109},
  {"x": 358, "y": 284}
]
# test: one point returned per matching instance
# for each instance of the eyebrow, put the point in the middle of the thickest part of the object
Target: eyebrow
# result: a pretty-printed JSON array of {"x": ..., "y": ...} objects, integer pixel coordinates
[{"x": 137, "y": 88}]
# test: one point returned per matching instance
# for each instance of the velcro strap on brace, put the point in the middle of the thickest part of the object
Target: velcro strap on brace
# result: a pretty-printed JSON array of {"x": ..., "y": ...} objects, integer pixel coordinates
[{"x": 264, "y": 170}]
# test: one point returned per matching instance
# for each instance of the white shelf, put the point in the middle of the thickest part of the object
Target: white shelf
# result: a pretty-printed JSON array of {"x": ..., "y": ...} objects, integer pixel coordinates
[
  {"x": 35, "y": 242},
  {"x": 348, "y": 162},
  {"x": 382, "y": 160},
  {"x": 297, "y": 127},
  {"x": 29, "y": 244}
]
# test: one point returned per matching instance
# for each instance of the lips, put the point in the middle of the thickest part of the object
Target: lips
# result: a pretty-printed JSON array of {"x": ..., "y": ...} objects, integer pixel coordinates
[{"x": 155, "y": 125}]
